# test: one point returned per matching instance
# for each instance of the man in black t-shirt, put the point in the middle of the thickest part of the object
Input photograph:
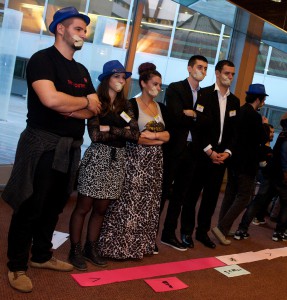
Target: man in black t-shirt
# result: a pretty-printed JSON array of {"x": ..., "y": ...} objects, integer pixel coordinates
[{"x": 60, "y": 97}]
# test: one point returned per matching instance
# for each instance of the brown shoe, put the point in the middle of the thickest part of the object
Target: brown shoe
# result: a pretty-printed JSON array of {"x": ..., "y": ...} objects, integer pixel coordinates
[
  {"x": 20, "y": 281},
  {"x": 53, "y": 264}
]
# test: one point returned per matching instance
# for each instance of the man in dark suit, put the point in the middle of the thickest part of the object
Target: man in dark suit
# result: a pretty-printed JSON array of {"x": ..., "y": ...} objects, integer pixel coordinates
[
  {"x": 180, "y": 99},
  {"x": 242, "y": 172},
  {"x": 216, "y": 145}
]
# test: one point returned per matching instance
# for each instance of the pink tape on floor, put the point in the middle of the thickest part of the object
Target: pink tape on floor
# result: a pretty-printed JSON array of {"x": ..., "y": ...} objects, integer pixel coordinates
[{"x": 119, "y": 275}]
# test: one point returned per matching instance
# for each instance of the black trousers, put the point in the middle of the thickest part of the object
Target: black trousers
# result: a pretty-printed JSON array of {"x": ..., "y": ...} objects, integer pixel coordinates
[
  {"x": 206, "y": 178},
  {"x": 36, "y": 219},
  {"x": 179, "y": 173}
]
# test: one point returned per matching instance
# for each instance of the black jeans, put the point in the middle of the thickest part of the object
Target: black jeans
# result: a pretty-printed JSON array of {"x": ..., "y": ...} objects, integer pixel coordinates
[{"x": 37, "y": 217}]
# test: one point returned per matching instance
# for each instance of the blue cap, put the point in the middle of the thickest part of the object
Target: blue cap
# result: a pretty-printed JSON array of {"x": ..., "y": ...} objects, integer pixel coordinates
[
  {"x": 66, "y": 13},
  {"x": 111, "y": 67},
  {"x": 256, "y": 89}
]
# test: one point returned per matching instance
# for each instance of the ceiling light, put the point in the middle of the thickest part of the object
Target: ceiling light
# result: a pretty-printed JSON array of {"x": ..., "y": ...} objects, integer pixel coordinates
[{"x": 276, "y": 0}]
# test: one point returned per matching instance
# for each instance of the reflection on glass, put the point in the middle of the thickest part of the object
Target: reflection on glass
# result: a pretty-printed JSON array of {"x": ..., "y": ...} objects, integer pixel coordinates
[
  {"x": 32, "y": 14},
  {"x": 261, "y": 58},
  {"x": 195, "y": 34},
  {"x": 274, "y": 117},
  {"x": 107, "y": 30},
  {"x": 156, "y": 27},
  {"x": 278, "y": 64},
  {"x": 108, "y": 22},
  {"x": 225, "y": 43}
]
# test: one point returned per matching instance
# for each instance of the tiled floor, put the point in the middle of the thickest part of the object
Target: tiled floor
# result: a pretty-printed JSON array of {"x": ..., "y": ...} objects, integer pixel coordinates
[{"x": 11, "y": 129}]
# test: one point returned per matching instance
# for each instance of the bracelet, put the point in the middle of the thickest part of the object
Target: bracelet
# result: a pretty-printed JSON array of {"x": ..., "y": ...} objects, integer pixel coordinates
[
  {"x": 210, "y": 153},
  {"x": 88, "y": 103}
]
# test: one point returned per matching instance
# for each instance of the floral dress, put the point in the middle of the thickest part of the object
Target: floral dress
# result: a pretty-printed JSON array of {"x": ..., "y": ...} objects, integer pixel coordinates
[{"x": 130, "y": 226}]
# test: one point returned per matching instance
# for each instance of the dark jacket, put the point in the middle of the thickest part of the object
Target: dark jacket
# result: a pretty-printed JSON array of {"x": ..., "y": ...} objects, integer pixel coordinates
[
  {"x": 207, "y": 104},
  {"x": 179, "y": 97},
  {"x": 251, "y": 135},
  {"x": 279, "y": 157}
]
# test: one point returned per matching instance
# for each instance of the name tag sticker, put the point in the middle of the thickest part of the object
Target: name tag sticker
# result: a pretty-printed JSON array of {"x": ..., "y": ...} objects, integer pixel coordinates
[
  {"x": 157, "y": 118},
  {"x": 199, "y": 107},
  {"x": 232, "y": 113},
  {"x": 125, "y": 116}
]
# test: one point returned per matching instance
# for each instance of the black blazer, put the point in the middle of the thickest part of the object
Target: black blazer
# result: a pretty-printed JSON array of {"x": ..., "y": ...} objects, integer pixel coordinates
[
  {"x": 208, "y": 105},
  {"x": 178, "y": 97}
]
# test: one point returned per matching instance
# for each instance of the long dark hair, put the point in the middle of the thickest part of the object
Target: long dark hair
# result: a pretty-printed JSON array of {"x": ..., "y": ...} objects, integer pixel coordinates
[
  {"x": 147, "y": 71},
  {"x": 103, "y": 94}
]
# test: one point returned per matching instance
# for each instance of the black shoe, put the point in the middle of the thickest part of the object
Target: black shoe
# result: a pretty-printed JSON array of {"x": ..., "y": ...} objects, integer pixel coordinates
[
  {"x": 90, "y": 253},
  {"x": 155, "y": 251},
  {"x": 76, "y": 257},
  {"x": 187, "y": 240},
  {"x": 279, "y": 236},
  {"x": 174, "y": 243},
  {"x": 241, "y": 235},
  {"x": 205, "y": 240}
]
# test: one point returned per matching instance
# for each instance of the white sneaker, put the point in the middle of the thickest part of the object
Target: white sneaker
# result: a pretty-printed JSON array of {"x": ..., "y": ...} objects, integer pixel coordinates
[{"x": 219, "y": 235}]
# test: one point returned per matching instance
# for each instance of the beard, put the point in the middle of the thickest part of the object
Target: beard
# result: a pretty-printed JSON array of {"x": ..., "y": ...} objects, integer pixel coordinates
[{"x": 77, "y": 47}]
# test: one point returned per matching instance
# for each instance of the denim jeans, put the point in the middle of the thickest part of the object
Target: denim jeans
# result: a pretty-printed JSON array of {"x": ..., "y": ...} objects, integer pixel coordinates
[
  {"x": 258, "y": 204},
  {"x": 281, "y": 189}
]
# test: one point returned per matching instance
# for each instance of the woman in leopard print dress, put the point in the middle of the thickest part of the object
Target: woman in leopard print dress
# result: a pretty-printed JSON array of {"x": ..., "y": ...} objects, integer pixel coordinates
[
  {"x": 130, "y": 225},
  {"x": 102, "y": 169}
]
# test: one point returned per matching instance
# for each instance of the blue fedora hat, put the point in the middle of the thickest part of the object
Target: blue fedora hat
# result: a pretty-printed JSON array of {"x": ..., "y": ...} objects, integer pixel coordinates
[
  {"x": 66, "y": 13},
  {"x": 256, "y": 89},
  {"x": 111, "y": 67}
]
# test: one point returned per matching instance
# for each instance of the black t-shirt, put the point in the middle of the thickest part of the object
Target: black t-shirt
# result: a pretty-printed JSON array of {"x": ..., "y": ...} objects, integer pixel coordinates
[{"x": 68, "y": 77}]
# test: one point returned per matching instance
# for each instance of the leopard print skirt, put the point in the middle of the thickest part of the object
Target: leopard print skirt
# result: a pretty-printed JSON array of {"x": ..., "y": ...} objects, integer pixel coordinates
[
  {"x": 102, "y": 171},
  {"x": 130, "y": 226}
]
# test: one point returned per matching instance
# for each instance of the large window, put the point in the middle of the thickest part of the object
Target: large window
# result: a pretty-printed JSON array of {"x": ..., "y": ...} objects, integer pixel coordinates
[
  {"x": 278, "y": 63},
  {"x": 32, "y": 14},
  {"x": 169, "y": 34},
  {"x": 197, "y": 34},
  {"x": 109, "y": 22},
  {"x": 156, "y": 27},
  {"x": 261, "y": 58}
]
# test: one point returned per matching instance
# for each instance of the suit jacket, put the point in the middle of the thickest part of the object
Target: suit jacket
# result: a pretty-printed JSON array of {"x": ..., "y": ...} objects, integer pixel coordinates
[
  {"x": 208, "y": 105},
  {"x": 178, "y": 97}
]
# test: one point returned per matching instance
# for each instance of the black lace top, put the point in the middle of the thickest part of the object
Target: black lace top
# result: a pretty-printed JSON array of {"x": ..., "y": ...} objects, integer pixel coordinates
[{"x": 118, "y": 134}]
